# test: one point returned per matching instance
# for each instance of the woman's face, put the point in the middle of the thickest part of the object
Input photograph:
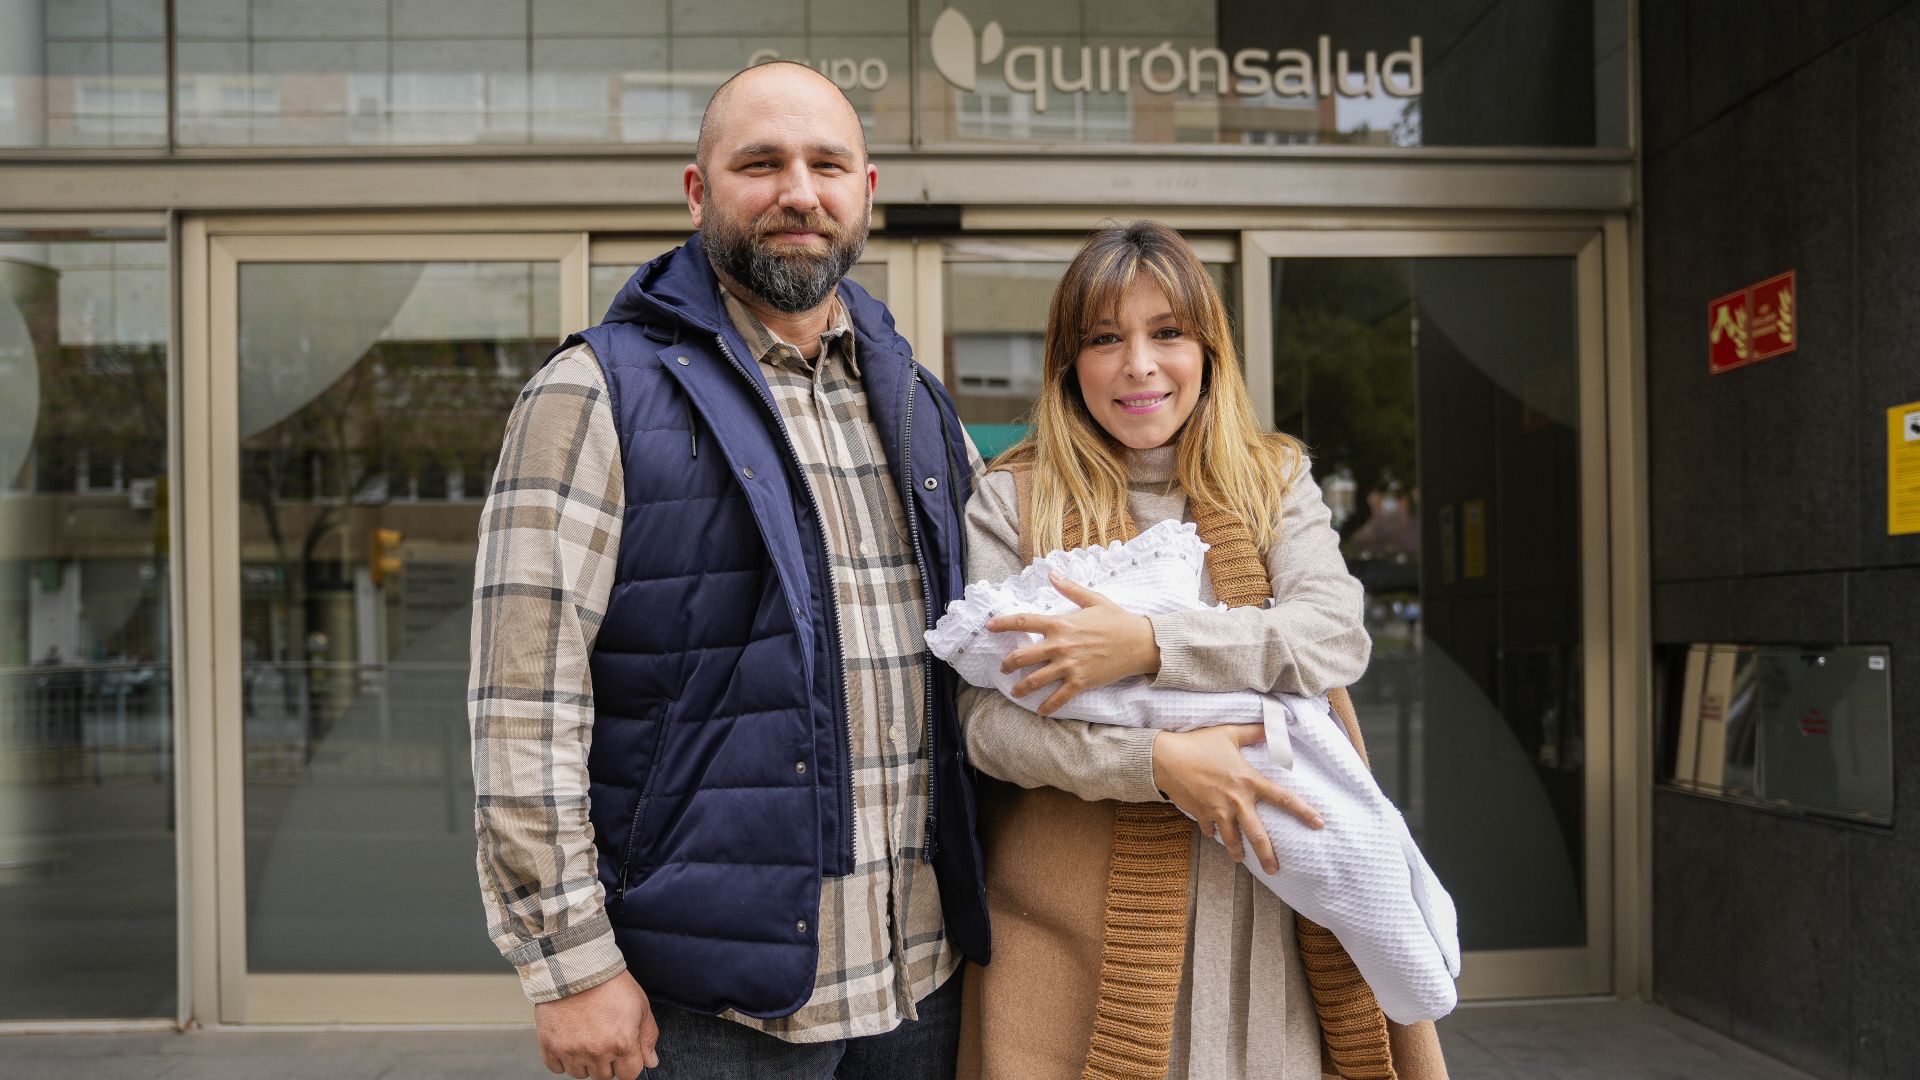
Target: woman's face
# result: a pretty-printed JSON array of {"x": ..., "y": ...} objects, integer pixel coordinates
[{"x": 1139, "y": 371}]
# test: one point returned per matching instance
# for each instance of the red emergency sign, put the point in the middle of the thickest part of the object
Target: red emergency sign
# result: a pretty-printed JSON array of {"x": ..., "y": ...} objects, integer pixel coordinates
[
  {"x": 1770, "y": 307},
  {"x": 1727, "y": 330},
  {"x": 1757, "y": 322}
]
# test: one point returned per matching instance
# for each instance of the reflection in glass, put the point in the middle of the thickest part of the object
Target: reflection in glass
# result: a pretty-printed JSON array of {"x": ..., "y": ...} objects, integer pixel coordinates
[
  {"x": 372, "y": 401},
  {"x": 1438, "y": 399},
  {"x": 1825, "y": 730},
  {"x": 86, "y": 720},
  {"x": 83, "y": 74},
  {"x": 603, "y": 284},
  {"x": 1256, "y": 73},
  {"x": 439, "y": 72},
  {"x": 996, "y": 328},
  {"x": 1790, "y": 727}
]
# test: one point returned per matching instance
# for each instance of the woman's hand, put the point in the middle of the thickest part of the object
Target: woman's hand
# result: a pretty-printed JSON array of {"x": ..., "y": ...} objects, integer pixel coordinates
[
  {"x": 1099, "y": 644},
  {"x": 1205, "y": 776}
]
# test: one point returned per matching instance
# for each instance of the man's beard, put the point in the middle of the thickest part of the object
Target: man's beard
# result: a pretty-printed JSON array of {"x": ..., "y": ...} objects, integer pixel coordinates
[{"x": 792, "y": 281}]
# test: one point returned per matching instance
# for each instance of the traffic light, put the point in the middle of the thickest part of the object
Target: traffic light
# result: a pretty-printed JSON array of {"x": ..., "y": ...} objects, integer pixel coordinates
[{"x": 383, "y": 554}]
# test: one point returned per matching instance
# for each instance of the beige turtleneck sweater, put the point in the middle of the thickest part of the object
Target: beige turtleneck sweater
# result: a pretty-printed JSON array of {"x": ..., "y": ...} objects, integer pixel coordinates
[{"x": 1244, "y": 1009}]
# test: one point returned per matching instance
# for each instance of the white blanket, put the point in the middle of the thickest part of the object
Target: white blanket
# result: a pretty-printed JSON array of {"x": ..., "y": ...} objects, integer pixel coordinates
[{"x": 1361, "y": 876}]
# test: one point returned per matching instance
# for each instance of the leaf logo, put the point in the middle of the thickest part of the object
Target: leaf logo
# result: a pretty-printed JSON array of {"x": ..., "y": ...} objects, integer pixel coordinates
[{"x": 954, "y": 52}]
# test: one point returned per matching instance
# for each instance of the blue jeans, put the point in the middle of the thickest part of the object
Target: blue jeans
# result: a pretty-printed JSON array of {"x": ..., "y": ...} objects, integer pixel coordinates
[{"x": 694, "y": 1046}]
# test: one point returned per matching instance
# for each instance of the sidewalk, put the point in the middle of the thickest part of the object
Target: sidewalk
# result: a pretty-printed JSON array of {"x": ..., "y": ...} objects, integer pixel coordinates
[
  {"x": 1607, "y": 1041},
  {"x": 1529, "y": 1042}
]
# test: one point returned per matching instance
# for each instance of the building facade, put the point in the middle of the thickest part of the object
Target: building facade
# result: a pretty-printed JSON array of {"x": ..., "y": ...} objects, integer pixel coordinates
[
  {"x": 271, "y": 275},
  {"x": 1788, "y": 932}
]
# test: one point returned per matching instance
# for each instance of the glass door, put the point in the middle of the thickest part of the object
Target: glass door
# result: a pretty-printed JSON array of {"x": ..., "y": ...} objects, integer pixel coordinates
[
  {"x": 361, "y": 384},
  {"x": 359, "y": 388},
  {"x": 87, "y": 783},
  {"x": 1451, "y": 387}
]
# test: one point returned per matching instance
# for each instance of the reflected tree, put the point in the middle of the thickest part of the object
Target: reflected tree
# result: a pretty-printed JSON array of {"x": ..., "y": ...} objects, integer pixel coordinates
[{"x": 1344, "y": 333}]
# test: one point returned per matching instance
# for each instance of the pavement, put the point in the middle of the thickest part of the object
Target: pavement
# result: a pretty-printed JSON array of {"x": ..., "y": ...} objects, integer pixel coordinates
[{"x": 1580, "y": 1041}]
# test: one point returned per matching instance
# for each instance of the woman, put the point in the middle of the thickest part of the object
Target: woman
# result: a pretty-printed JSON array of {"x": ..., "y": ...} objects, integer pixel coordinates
[{"x": 1127, "y": 942}]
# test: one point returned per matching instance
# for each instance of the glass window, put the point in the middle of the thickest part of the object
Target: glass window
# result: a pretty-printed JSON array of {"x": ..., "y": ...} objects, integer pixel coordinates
[
  {"x": 86, "y": 719},
  {"x": 83, "y": 73},
  {"x": 372, "y": 398},
  {"x": 1439, "y": 400},
  {"x": 477, "y": 72},
  {"x": 489, "y": 72},
  {"x": 1252, "y": 72}
]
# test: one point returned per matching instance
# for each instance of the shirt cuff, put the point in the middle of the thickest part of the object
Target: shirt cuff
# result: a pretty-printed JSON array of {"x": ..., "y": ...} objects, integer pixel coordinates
[
  {"x": 1173, "y": 634},
  {"x": 578, "y": 958},
  {"x": 1138, "y": 764}
]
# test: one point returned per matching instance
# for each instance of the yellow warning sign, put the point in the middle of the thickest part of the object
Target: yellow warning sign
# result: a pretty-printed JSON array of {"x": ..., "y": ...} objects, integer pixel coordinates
[
  {"x": 1903, "y": 469},
  {"x": 1474, "y": 540}
]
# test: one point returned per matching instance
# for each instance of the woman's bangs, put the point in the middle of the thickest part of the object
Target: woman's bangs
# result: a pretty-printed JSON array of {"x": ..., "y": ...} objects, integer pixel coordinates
[
  {"x": 1187, "y": 297},
  {"x": 1105, "y": 282}
]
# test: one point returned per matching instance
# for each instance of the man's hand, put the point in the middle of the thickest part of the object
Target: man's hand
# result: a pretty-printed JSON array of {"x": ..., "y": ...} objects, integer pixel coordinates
[
  {"x": 1205, "y": 776},
  {"x": 1083, "y": 650},
  {"x": 606, "y": 1033}
]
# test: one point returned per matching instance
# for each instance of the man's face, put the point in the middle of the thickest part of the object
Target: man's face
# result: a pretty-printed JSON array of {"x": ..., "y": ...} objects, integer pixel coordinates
[{"x": 784, "y": 200}]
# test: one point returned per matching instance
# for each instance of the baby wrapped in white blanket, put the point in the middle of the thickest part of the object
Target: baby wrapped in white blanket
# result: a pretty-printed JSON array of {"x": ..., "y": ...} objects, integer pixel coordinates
[{"x": 1361, "y": 876}]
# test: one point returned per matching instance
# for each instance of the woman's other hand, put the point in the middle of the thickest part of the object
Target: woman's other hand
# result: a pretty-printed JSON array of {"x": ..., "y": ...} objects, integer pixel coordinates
[
  {"x": 1203, "y": 773},
  {"x": 1086, "y": 649}
]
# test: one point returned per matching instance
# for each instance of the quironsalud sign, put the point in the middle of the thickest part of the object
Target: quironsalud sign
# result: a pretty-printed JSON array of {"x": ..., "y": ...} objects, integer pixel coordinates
[{"x": 959, "y": 54}]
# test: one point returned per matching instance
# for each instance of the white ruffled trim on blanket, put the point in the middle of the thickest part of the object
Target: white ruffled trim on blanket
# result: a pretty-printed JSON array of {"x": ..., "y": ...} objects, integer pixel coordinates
[{"x": 1090, "y": 566}]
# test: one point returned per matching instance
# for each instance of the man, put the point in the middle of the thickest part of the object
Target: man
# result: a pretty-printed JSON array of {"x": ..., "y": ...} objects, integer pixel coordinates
[{"x": 721, "y": 800}]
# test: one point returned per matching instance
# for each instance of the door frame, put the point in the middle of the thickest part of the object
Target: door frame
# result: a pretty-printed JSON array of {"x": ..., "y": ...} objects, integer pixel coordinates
[
  {"x": 1614, "y": 627},
  {"x": 211, "y": 557},
  {"x": 214, "y": 986}
]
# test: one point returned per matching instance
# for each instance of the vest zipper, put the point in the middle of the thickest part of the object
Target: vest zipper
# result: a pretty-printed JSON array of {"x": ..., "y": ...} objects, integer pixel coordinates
[
  {"x": 838, "y": 674},
  {"x": 640, "y": 805},
  {"x": 909, "y": 506}
]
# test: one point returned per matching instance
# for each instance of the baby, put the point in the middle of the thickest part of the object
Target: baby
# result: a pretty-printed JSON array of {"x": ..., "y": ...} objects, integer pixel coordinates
[{"x": 1361, "y": 877}]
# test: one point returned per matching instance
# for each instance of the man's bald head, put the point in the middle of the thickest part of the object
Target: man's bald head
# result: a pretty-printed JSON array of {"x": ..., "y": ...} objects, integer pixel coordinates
[{"x": 773, "y": 76}]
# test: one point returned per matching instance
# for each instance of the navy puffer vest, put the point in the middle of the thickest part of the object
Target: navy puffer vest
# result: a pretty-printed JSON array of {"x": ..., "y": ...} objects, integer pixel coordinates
[{"x": 720, "y": 792}]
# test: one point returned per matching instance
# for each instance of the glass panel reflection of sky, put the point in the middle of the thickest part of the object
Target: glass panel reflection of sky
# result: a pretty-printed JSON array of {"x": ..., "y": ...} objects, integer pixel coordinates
[{"x": 86, "y": 719}]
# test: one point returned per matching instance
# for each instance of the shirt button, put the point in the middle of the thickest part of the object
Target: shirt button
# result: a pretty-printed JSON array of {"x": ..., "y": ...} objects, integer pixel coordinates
[
  {"x": 747, "y": 472},
  {"x": 800, "y": 766},
  {"x": 931, "y": 483},
  {"x": 683, "y": 361},
  {"x": 801, "y": 926}
]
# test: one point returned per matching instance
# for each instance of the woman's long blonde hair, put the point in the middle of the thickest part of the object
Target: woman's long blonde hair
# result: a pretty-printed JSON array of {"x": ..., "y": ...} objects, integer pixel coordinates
[{"x": 1225, "y": 462}]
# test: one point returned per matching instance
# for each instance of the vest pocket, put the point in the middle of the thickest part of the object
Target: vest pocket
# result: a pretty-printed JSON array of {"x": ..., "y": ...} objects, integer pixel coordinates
[{"x": 641, "y": 804}]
